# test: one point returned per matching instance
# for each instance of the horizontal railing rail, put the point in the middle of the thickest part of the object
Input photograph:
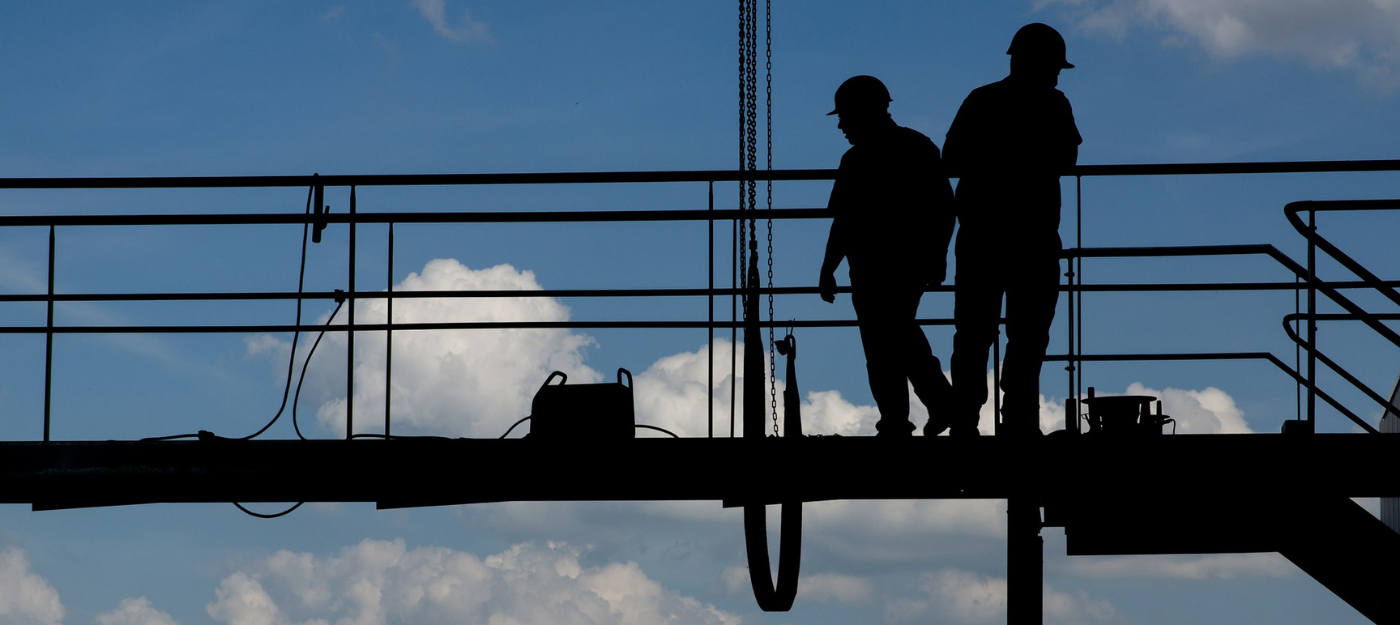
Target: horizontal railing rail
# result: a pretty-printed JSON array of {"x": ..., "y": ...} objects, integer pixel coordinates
[{"x": 527, "y": 178}]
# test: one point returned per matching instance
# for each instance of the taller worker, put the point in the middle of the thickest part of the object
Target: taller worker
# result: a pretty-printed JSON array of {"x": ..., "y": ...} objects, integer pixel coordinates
[{"x": 1009, "y": 144}]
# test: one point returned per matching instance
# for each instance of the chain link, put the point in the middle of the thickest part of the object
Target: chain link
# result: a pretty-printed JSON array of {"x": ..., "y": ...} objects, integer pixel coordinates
[
  {"x": 739, "y": 250},
  {"x": 768, "y": 152}
]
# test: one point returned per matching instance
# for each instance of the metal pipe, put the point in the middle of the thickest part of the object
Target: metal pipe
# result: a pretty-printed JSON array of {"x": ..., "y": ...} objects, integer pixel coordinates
[
  {"x": 48, "y": 340},
  {"x": 389, "y": 336},
  {"x": 710, "y": 309},
  {"x": 1312, "y": 322},
  {"x": 350, "y": 333}
]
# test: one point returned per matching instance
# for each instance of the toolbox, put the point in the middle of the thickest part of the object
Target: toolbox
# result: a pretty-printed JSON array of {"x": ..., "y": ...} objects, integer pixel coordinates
[{"x": 583, "y": 411}]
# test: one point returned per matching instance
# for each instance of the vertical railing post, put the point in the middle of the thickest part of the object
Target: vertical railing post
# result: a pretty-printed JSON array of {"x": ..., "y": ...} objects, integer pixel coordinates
[
  {"x": 733, "y": 318},
  {"x": 1072, "y": 275},
  {"x": 389, "y": 336},
  {"x": 48, "y": 342},
  {"x": 350, "y": 332},
  {"x": 710, "y": 329},
  {"x": 1312, "y": 319}
]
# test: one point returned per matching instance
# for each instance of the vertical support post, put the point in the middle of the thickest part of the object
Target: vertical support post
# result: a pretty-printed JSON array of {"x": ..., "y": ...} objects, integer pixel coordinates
[
  {"x": 1312, "y": 319},
  {"x": 389, "y": 337},
  {"x": 350, "y": 332},
  {"x": 1072, "y": 420},
  {"x": 733, "y": 318},
  {"x": 710, "y": 329},
  {"x": 1025, "y": 559},
  {"x": 48, "y": 342},
  {"x": 1077, "y": 294}
]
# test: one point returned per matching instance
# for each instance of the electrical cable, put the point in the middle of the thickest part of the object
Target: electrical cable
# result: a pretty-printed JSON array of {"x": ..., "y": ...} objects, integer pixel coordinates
[
  {"x": 267, "y": 516},
  {"x": 291, "y": 361},
  {"x": 652, "y": 427},
  {"x": 296, "y": 336},
  {"x": 295, "y": 398},
  {"x": 512, "y": 427}
]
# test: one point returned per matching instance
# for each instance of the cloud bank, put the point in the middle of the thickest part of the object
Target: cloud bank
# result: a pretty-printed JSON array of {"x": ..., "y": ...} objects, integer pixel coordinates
[
  {"x": 26, "y": 598},
  {"x": 1357, "y": 35},
  {"x": 962, "y": 597},
  {"x": 378, "y": 582}
]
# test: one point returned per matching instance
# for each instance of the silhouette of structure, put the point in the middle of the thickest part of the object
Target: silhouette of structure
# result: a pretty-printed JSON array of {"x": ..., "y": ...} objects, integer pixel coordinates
[
  {"x": 892, "y": 218},
  {"x": 1111, "y": 514}
]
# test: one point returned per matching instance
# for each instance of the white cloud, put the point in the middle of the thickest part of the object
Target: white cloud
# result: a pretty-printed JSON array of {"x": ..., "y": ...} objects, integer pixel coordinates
[
  {"x": 136, "y": 611},
  {"x": 1209, "y": 411},
  {"x": 1221, "y": 566},
  {"x": 964, "y": 597},
  {"x": 671, "y": 393},
  {"x": 26, "y": 598},
  {"x": 1060, "y": 607},
  {"x": 376, "y": 582},
  {"x": 479, "y": 382},
  {"x": 967, "y": 596},
  {"x": 833, "y": 587},
  {"x": 1361, "y": 35},
  {"x": 467, "y": 30},
  {"x": 456, "y": 383}
]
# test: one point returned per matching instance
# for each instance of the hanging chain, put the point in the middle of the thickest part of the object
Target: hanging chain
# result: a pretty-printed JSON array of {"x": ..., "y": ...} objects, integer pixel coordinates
[
  {"x": 768, "y": 80},
  {"x": 743, "y": 138}
]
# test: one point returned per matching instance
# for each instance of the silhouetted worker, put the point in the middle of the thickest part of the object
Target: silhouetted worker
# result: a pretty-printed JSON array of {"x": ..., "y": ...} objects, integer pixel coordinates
[
  {"x": 1009, "y": 143},
  {"x": 892, "y": 220}
]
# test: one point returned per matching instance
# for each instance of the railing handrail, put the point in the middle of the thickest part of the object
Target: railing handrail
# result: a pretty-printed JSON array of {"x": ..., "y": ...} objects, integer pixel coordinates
[{"x": 711, "y": 175}]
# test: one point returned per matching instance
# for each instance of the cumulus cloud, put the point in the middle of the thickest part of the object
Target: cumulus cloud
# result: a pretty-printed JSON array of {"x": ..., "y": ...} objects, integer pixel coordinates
[
  {"x": 1209, "y": 411},
  {"x": 467, "y": 29},
  {"x": 457, "y": 383},
  {"x": 964, "y": 597},
  {"x": 137, "y": 611},
  {"x": 479, "y": 382},
  {"x": 822, "y": 587},
  {"x": 671, "y": 393},
  {"x": 376, "y": 582},
  {"x": 1207, "y": 567},
  {"x": 26, "y": 598},
  {"x": 1360, "y": 35},
  {"x": 833, "y": 587}
]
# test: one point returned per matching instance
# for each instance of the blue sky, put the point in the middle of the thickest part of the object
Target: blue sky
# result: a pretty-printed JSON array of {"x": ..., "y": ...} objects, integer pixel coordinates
[{"x": 430, "y": 86}]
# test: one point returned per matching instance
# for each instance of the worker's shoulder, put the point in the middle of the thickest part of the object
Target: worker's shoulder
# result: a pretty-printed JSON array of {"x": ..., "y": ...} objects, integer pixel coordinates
[
  {"x": 989, "y": 90},
  {"x": 912, "y": 140}
]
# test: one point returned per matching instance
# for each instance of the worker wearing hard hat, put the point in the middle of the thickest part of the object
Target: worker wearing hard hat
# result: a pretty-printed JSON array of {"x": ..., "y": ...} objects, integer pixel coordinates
[
  {"x": 892, "y": 219},
  {"x": 1009, "y": 144}
]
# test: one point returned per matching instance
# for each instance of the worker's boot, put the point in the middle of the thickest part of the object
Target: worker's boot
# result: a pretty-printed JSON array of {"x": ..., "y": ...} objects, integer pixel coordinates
[{"x": 894, "y": 428}]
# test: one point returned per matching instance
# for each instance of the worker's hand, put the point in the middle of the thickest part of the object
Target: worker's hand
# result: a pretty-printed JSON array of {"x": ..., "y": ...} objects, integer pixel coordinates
[{"x": 826, "y": 285}]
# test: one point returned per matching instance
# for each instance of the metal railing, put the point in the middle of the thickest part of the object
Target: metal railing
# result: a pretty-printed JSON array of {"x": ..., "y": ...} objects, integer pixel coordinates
[{"x": 1305, "y": 279}]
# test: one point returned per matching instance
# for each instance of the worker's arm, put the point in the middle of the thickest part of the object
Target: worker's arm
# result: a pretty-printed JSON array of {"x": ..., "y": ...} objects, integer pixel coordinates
[{"x": 835, "y": 252}]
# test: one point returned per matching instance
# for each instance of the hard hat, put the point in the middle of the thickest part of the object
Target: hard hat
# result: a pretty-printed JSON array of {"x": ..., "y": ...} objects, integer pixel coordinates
[
  {"x": 861, "y": 93},
  {"x": 1042, "y": 41}
]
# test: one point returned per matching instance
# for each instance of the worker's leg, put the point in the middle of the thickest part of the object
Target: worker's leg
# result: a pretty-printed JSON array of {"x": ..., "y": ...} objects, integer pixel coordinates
[
  {"x": 877, "y": 315},
  {"x": 1030, "y": 309},
  {"x": 976, "y": 313},
  {"x": 922, "y": 368}
]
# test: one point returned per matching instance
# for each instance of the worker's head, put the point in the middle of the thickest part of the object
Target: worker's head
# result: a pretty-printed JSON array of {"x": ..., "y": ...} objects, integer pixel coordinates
[
  {"x": 1038, "y": 54},
  {"x": 862, "y": 103}
]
